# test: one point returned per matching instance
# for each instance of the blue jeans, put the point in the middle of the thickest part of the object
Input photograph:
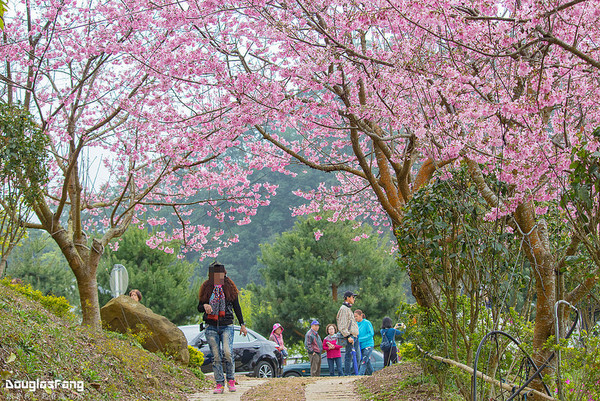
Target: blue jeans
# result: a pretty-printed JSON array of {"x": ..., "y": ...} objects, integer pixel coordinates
[
  {"x": 338, "y": 364},
  {"x": 217, "y": 337},
  {"x": 365, "y": 361},
  {"x": 348, "y": 358}
]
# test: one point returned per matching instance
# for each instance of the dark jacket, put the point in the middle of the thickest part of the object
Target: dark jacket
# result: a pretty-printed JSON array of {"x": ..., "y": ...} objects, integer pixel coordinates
[
  {"x": 312, "y": 342},
  {"x": 230, "y": 308}
]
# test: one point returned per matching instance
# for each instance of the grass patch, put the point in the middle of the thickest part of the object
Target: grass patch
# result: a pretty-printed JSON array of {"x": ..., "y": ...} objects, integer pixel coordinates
[
  {"x": 402, "y": 381},
  {"x": 39, "y": 340}
]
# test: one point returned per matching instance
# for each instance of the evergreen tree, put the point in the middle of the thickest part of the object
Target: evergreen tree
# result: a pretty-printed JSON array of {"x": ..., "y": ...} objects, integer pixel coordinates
[
  {"x": 165, "y": 281},
  {"x": 305, "y": 277},
  {"x": 39, "y": 262}
]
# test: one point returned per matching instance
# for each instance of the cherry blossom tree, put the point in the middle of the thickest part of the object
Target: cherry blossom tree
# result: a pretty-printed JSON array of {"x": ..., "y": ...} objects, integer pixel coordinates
[
  {"x": 386, "y": 93},
  {"x": 123, "y": 141},
  {"x": 383, "y": 95}
]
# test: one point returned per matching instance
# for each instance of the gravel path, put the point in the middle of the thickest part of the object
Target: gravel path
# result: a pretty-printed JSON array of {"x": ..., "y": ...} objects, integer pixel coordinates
[
  {"x": 323, "y": 388},
  {"x": 334, "y": 388},
  {"x": 244, "y": 384}
]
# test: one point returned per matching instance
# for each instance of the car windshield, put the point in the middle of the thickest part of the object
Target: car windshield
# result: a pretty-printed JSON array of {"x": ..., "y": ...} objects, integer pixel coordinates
[
  {"x": 239, "y": 338},
  {"x": 190, "y": 331}
]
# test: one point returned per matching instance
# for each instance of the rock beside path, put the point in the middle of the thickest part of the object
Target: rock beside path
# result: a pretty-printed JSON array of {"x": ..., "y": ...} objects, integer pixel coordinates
[{"x": 123, "y": 313}]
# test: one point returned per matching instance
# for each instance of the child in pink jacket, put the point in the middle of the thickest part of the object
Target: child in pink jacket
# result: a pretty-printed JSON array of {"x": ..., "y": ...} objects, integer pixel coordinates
[
  {"x": 277, "y": 338},
  {"x": 334, "y": 353}
]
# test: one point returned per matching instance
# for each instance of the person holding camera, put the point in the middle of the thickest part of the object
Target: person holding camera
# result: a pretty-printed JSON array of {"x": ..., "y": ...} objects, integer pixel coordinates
[{"x": 388, "y": 340}]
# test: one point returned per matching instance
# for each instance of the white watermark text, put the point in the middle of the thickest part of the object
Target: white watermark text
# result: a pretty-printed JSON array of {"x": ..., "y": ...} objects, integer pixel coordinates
[{"x": 33, "y": 385}]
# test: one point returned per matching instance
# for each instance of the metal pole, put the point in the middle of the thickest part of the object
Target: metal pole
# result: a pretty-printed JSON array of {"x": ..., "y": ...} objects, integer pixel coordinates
[{"x": 559, "y": 385}]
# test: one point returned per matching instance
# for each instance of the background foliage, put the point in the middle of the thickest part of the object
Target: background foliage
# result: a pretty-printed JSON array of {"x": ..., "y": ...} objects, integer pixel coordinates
[
  {"x": 166, "y": 282},
  {"x": 305, "y": 278},
  {"x": 39, "y": 262}
]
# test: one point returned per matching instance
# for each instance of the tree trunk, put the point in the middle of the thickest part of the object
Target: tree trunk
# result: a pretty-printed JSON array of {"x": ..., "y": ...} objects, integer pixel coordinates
[
  {"x": 543, "y": 266},
  {"x": 6, "y": 253},
  {"x": 3, "y": 264},
  {"x": 83, "y": 261},
  {"x": 88, "y": 296},
  {"x": 421, "y": 291}
]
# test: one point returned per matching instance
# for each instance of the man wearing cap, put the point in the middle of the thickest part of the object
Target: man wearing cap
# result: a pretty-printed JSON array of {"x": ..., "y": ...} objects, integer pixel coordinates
[
  {"x": 314, "y": 347},
  {"x": 349, "y": 329}
]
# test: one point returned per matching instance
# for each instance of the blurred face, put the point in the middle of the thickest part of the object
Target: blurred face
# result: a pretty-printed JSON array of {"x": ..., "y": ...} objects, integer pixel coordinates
[
  {"x": 315, "y": 327},
  {"x": 350, "y": 300},
  {"x": 134, "y": 296},
  {"x": 219, "y": 278},
  {"x": 331, "y": 330},
  {"x": 358, "y": 317},
  {"x": 279, "y": 330}
]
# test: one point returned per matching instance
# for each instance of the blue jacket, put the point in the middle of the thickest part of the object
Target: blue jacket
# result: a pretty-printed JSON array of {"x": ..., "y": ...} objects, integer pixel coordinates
[
  {"x": 391, "y": 334},
  {"x": 365, "y": 334}
]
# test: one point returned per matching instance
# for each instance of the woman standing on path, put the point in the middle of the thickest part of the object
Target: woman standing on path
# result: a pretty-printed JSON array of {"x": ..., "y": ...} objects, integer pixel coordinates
[
  {"x": 334, "y": 353},
  {"x": 388, "y": 340},
  {"x": 365, "y": 339},
  {"x": 218, "y": 301}
]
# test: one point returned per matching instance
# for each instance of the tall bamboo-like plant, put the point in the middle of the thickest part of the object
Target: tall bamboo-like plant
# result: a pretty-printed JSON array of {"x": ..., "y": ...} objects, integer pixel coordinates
[{"x": 23, "y": 161}]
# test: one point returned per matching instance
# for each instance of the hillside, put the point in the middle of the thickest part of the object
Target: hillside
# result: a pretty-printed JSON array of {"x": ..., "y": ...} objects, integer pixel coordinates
[{"x": 44, "y": 346}]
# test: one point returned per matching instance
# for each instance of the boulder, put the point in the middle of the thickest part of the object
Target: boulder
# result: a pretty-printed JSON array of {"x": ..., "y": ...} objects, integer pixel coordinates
[{"x": 156, "y": 331}]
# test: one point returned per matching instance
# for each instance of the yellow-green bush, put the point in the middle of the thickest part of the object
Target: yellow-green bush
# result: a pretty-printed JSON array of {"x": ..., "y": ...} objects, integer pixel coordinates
[
  {"x": 196, "y": 357},
  {"x": 57, "y": 305},
  {"x": 407, "y": 351}
]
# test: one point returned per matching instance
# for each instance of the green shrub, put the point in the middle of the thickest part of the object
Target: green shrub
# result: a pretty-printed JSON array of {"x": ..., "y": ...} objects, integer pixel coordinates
[
  {"x": 196, "y": 357},
  {"x": 408, "y": 351},
  {"x": 580, "y": 368},
  {"x": 57, "y": 305},
  {"x": 198, "y": 373}
]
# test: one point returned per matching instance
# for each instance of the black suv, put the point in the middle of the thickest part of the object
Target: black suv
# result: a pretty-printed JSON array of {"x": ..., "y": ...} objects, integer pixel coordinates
[{"x": 252, "y": 353}]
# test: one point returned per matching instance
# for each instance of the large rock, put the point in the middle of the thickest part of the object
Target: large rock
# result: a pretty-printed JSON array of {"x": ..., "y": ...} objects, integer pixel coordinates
[{"x": 123, "y": 313}]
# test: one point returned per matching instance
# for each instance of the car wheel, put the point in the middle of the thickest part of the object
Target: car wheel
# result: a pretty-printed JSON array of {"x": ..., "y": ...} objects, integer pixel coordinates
[
  {"x": 291, "y": 374},
  {"x": 264, "y": 369}
]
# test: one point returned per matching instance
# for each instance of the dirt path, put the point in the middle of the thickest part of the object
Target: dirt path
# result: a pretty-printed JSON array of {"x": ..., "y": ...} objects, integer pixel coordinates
[
  {"x": 334, "y": 388},
  {"x": 244, "y": 384}
]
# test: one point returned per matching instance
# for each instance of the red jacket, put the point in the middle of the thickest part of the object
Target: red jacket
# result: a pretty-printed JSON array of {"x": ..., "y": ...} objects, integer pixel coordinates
[{"x": 332, "y": 353}]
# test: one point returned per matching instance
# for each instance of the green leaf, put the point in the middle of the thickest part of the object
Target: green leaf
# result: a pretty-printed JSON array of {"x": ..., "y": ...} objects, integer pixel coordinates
[{"x": 11, "y": 358}]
